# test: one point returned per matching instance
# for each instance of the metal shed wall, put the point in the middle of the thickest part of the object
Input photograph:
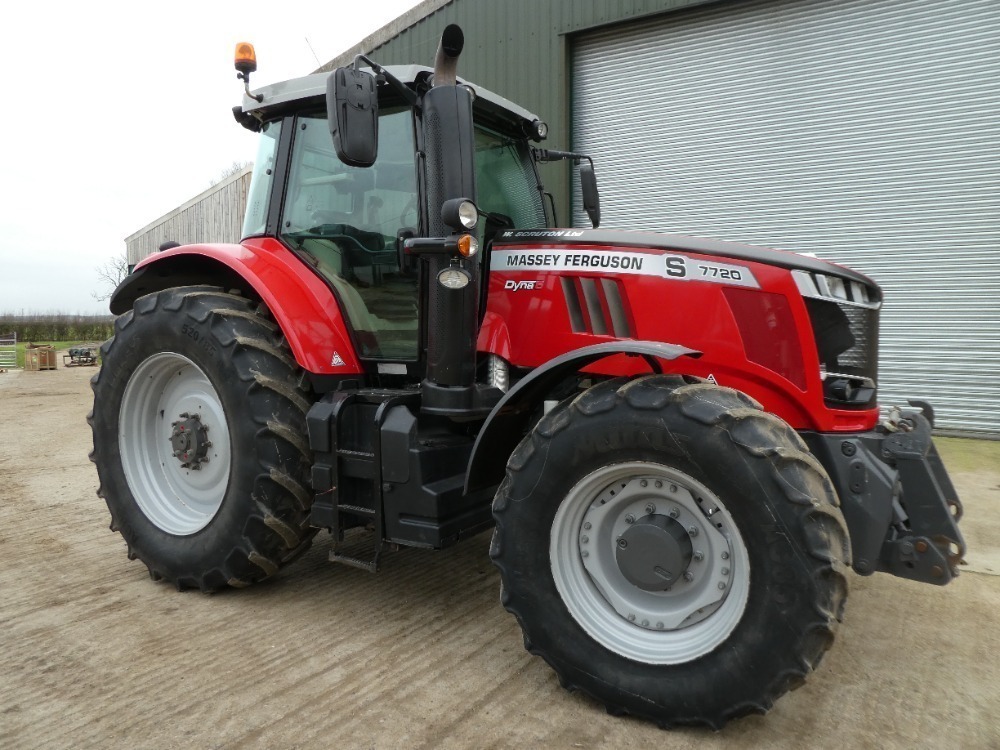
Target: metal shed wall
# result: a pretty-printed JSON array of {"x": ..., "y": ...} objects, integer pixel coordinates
[
  {"x": 865, "y": 131},
  {"x": 215, "y": 215},
  {"x": 518, "y": 48}
]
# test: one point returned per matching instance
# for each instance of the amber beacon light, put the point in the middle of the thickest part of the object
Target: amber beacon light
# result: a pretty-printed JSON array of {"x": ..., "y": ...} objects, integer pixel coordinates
[
  {"x": 246, "y": 63},
  {"x": 246, "y": 58}
]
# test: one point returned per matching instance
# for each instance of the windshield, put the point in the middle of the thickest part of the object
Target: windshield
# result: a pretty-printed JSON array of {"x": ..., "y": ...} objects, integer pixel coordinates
[{"x": 344, "y": 221}]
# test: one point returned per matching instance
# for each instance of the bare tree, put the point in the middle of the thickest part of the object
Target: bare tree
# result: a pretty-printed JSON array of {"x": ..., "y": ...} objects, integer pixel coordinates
[
  {"x": 234, "y": 168},
  {"x": 109, "y": 275}
]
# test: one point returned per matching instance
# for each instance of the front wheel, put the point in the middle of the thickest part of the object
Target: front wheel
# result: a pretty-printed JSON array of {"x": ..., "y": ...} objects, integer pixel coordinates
[{"x": 671, "y": 550}]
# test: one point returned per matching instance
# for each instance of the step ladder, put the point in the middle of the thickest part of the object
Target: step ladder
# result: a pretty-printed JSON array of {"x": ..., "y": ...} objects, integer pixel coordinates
[{"x": 364, "y": 465}]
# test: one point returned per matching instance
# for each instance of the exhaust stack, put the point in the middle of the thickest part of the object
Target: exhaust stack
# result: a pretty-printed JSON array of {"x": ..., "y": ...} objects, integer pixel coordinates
[
  {"x": 449, "y": 169},
  {"x": 446, "y": 60}
]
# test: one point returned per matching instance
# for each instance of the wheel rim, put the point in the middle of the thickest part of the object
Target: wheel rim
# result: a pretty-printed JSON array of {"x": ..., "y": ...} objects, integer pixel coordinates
[
  {"x": 167, "y": 394},
  {"x": 701, "y": 604}
]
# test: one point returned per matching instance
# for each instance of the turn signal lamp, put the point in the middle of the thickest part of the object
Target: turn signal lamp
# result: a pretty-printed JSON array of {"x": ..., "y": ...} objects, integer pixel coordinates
[
  {"x": 246, "y": 58},
  {"x": 468, "y": 245}
]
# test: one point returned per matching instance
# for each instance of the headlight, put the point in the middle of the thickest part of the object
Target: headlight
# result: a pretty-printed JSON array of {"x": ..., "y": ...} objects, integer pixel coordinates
[
  {"x": 459, "y": 213},
  {"x": 468, "y": 215}
]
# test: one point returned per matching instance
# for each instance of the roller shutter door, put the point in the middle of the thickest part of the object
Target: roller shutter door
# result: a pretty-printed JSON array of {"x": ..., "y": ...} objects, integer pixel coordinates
[{"x": 867, "y": 132}]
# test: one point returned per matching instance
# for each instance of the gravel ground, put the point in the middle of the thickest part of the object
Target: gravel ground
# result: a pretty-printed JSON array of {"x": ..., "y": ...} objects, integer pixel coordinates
[{"x": 94, "y": 654}]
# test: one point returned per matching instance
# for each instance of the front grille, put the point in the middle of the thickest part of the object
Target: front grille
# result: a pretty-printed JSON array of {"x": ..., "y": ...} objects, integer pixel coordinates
[
  {"x": 844, "y": 317},
  {"x": 846, "y": 337}
]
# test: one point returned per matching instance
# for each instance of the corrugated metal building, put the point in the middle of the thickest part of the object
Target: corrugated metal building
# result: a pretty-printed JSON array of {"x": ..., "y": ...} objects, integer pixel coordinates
[{"x": 864, "y": 131}]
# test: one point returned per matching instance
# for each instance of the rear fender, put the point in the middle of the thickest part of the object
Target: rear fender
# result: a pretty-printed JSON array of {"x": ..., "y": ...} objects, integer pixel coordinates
[
  {"x": 510, "y": 418},
  {"x": 302, "y": 304}
]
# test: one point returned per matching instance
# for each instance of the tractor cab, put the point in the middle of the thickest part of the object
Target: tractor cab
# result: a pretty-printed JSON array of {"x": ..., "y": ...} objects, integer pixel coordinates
[{"x": 350, "y": 223}]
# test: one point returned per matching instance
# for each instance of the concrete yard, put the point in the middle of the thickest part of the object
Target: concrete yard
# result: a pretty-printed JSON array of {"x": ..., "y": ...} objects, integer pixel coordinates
[{"x": 94, "y": 654}]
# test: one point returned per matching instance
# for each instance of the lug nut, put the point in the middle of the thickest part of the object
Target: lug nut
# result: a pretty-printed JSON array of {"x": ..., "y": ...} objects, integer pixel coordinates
[
  {"x": 698, "y": 556},
  {"x": 643, "y": 483},
  {"x": 725, "y": 555},
  {"x": 629, "y": 518},
  {"x": 650, "y": 508},
  {"x": 692, "y": 531},
  {"x": 584, "y": 539},
  {"x": 725, "y": 571},
  {"x": 674, "y": 513},
  {"x": 587, "y": 526},
  {"x": 659, "y": 626},
  {"x": 631, "y": 618},
  {"x": 658, "y": 484},
  {"x": 673, "y": 488},
  {"x": 688, "y": 576},
  {"x": 722, "y": 586}
]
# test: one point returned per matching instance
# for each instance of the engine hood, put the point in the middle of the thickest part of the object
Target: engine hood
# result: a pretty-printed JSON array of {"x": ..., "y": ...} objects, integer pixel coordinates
[{"x": 614, "y": 238}]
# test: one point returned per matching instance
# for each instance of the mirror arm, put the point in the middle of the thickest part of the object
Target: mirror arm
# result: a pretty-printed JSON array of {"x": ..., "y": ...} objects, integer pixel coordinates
[
  {"x": 550, "y": 154},
  {"x": 408, "y": 94}
]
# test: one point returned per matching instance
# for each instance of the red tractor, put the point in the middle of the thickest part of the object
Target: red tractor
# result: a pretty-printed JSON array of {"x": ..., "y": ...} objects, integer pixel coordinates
[{"x": 677, "y": 441}]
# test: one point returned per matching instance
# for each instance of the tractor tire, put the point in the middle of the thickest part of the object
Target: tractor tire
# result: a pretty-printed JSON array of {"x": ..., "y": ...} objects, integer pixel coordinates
[
  {"x": 200, "y": 439},
  {"x": 671, "y": 550}
]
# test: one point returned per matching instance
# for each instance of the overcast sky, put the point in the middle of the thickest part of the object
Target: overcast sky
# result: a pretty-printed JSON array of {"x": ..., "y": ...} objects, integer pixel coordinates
[{"x": 116, "y": 113}]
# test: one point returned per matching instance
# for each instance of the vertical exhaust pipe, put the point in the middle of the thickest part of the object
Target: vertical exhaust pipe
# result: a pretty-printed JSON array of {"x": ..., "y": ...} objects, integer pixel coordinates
[
  {"x": 446, "y": 60},
  {"x": 449, "y": 171}
]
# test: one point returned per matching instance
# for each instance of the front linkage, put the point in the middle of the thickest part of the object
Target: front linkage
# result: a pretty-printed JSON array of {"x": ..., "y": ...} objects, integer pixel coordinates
[{"x": 899, "y": 503}]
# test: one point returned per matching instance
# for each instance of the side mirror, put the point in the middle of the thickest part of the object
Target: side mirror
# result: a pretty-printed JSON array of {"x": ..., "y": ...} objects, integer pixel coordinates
[
  {"x": 352, "y": 112},
  {"x": 591, "y": 198}
]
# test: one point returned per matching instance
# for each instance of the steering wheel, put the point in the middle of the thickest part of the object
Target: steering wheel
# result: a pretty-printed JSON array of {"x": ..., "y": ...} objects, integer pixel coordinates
[{"x": 338, "y": 236}]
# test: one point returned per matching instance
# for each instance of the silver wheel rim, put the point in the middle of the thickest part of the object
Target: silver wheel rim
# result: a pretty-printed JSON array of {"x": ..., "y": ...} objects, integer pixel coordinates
[
  {"x": 178, "y": 500},
  {"x": 680, "y": 624}
]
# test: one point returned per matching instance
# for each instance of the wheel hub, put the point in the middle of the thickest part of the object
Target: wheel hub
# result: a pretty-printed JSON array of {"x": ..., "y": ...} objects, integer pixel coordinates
[
  {"x": 618, "y": 534},
  {"x": 189, "y": 441},
  {"x": 654, "y": 552}
]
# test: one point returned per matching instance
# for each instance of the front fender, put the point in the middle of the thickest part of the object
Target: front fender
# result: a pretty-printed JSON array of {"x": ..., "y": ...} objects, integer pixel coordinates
[
  {"x": 303, "y": 306},
  {"x": 509, "y": 420}
]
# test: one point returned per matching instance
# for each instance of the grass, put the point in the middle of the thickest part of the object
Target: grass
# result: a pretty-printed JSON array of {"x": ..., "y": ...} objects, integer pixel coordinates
[
  {"x": 965, "y": 454},
  {"x": 22, "y": 345}
]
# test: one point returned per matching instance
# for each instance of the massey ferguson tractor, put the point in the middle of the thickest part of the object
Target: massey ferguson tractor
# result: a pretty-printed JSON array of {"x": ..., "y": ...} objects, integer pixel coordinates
[{"x": 677, "y": 441}]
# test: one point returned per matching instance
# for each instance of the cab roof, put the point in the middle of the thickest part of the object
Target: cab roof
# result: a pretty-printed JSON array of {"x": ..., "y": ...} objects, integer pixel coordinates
[{"x": 278, "y": 95}]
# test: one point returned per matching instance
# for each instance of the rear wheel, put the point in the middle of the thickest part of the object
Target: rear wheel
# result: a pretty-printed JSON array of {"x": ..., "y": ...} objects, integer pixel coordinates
[
  {"x": 671, "y": 550},
  {"x": 200, "y": 439}
]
